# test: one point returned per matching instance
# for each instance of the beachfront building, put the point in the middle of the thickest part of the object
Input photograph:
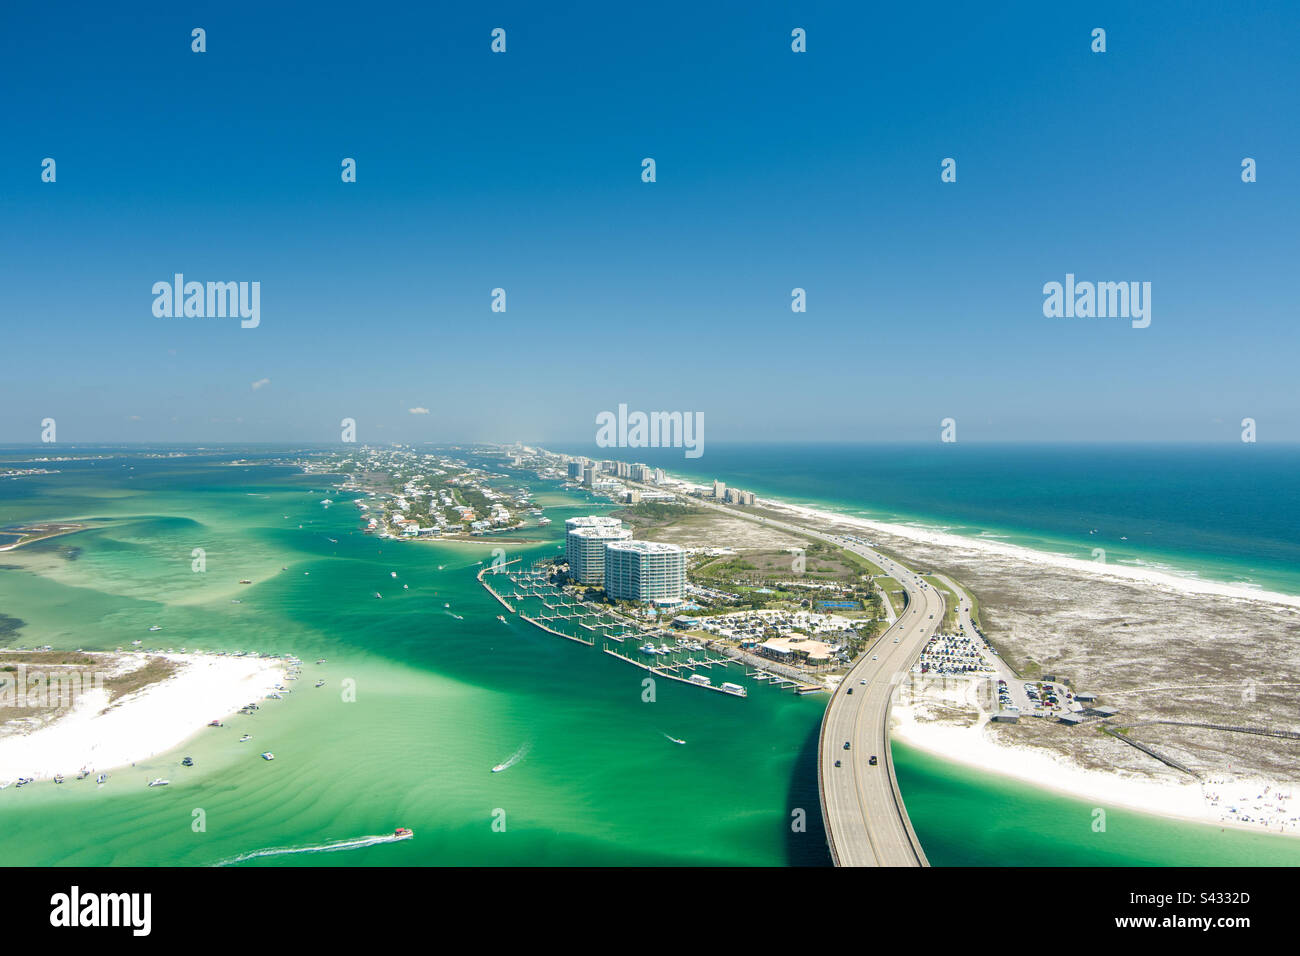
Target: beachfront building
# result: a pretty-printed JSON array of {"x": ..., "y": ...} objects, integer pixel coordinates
[
  {"x": 584, "y": 545},
  {"x": 644, "y": 571},
  {"x": 575, "y": 471}
]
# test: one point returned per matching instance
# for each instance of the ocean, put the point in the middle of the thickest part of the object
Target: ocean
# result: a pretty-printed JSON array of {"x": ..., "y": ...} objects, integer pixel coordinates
[{"x": 440, "y": 700}]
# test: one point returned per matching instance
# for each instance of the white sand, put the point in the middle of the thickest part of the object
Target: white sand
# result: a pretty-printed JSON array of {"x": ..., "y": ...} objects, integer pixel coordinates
[
  {"x": 1247, "y": 803},
  {"x": 141, "y": 725},
  {"x": 1244, "y": 803},
  {"x": 1156, "y": 577}
]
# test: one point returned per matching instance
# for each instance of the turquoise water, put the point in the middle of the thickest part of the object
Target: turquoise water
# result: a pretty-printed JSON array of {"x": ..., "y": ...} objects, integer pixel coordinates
[
  {"x": 440, "y": 701},
  {"x": 1225, "y": 512}
]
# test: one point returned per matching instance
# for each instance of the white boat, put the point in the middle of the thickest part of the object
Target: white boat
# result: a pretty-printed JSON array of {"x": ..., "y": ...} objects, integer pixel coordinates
[
  {"x": 393, "y": 573},
  {"x": 155, "y": 627},
  {"x": 245, "y": 737},
  {"x": 735, "y": 690},
  {"x": 701, "y": 680},
  {"x": 159, "y": 782},
  {"x": 378, "y": 595},
  {"x": 268, "y": 756},
  {"x": 648, "y": 649}
]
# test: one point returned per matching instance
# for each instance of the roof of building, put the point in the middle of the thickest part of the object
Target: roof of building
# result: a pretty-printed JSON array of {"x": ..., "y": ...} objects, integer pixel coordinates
[{"x": 645, "y": 547}]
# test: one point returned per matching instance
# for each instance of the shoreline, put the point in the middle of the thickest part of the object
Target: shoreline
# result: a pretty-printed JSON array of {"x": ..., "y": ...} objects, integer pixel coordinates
[
  {"x": 935, "y": 537},
  {"x": 99, "y": 735},
  {"x": 1186, "y": 580},
  {"x": 972, "y": 748}
]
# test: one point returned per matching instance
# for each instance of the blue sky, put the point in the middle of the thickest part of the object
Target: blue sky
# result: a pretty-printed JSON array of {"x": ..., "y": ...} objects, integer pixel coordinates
[{"x": 775, "y": 170}]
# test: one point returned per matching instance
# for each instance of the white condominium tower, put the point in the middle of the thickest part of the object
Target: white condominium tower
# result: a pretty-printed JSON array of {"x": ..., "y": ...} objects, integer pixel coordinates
[
  {"x": 584, "y": 545},
  {"x": 644, "y": 570}
]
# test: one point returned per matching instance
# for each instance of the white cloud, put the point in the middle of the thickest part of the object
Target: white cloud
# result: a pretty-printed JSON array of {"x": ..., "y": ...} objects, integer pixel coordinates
[
  {"x": 418, "y": 410},
  {"x": 260, "y": 382}
]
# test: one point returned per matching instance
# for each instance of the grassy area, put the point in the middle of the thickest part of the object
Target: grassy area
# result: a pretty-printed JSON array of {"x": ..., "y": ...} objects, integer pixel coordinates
[
  {"x": 893, "y": 590},
  {"x": 56, "y": 678},
  {"x": 951, "y": 602}
]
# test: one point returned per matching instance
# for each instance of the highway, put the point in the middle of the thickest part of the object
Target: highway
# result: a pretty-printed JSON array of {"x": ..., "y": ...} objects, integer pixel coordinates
[{"x": 866, "y": 821}]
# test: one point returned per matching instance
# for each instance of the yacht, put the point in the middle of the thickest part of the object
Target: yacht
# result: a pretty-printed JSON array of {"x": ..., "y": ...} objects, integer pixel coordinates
[
  {"x": 158, "y": 782},
  {"x": 735, "y": 690},
  {"x": 648, "y": 648},
  {"x": 700, "y": 680}
]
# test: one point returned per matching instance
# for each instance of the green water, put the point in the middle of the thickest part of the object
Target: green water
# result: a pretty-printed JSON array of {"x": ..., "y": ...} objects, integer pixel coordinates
[{"x": 439, "y": 702}]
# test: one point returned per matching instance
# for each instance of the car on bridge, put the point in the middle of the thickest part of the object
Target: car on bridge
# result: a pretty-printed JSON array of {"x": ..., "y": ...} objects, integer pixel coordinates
[{"x": 872, "y": 761}]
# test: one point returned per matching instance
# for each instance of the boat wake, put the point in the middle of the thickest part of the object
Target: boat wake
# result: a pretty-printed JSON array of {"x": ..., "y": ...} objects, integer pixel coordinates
[
  {"x": 355, "y": 843},
  {"x": 676, "y": 740},
  {"x": 518, "y": 755}
]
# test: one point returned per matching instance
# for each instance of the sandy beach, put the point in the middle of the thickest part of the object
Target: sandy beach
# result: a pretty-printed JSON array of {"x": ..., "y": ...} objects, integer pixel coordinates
[
  {"x": 99, "y": 736},
  {"x": 1249, "y": 804},
  {"x": 1158, "y": 644},
  {"x": 1155, "y": 577}
]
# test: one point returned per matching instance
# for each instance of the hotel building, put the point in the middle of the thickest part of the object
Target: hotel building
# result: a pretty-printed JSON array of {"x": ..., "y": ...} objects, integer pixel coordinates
[
  {"x": 644, "y": 570},
  {"x": 584, "y": 546}
]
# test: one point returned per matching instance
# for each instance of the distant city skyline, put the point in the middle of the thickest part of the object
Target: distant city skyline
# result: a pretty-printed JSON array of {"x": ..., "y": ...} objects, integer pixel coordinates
[{"x": 775, "y": 171}]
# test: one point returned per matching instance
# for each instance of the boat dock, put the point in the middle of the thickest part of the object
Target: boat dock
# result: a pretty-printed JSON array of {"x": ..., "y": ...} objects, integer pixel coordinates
[{"x": 664, "y": 671}]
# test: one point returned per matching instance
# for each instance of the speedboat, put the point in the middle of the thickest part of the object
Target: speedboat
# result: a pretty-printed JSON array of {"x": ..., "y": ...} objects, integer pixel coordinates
[
  {"x": 446, "y": 605},
  {"x": 155, "y": 627},
  {"x": 245, "y": 737},
  {"x": 501, "y": 618},
  {"x": 378, "y": 595},
  {"x": 159, "y": 782},
  {"x": 268, "y": 756},
  {"x": 187, "y": 762},
  {"x": 403, "y": 833},
  {"x": 393, "y": 573},
  {"x": 320, "y": 683}
]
